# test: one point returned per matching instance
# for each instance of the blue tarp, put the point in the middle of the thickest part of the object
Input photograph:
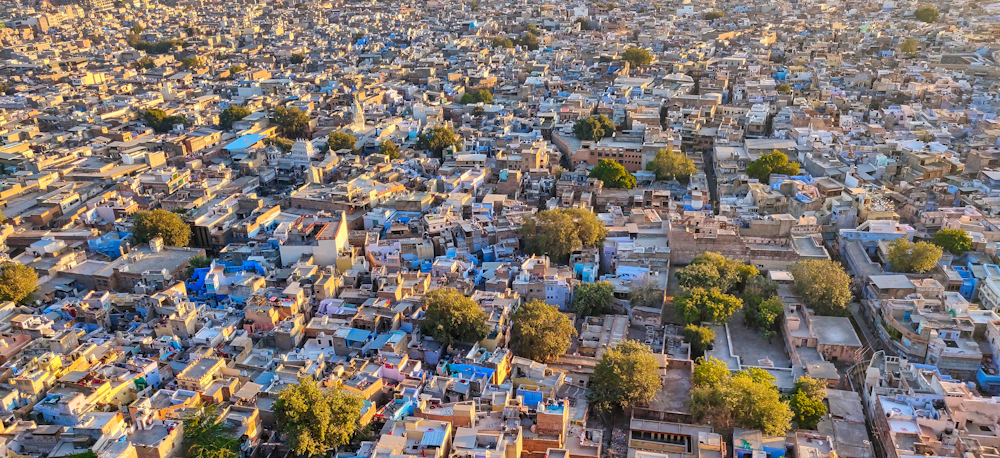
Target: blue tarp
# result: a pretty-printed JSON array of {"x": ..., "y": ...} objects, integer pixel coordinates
[
  {"x": 244, "y": 142},
  {"x": 433, "y": 438}
]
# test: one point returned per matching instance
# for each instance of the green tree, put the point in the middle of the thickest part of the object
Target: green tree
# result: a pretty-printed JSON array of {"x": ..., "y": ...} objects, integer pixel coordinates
[
  {"x": 500, "y": 42},
  {"x": 906, "y": 257},
  {"x": 480, "y": 96},
  {"x": 806, "y": 402},
  {"x": 145, "y": 63},
  {"x": 235, "y": 69},
  {"x": 138, "y": 29},
  {"x": 784, "y": 89},
  {"x": 669, "y": 165},
  {"x": 762, "y": 314},
  {"x": 593, "y": 128},
  {"x": 292, "y": 122},
  {"x": 341, "y": 140},
  {"x": 147, "y": 225},
  {"x": 389, "y": 148},
  {"x": 956, "y": 241},
  {"x": 438, "y": 139},
  {"x": 699, "y": 337},
  {"x": 713, "y": 15},
  {"x": 812, "y": 387},
  {"x": 700, "y": 305},
  {"x": 197, "y": 262},
  {"x": 282, "y": 143},
  {"x": 540, "y": 332},
  {"x": 637, "y": 57},
  {"x": 192, "y": 62},
  {"x": 297, "y": 58},
  {"x": 774, "y": 162},
  {"x": 646, "y": 293},
  {"x": 713, "y": 270},
  {"x": 623, "y": 377},
  {"x": 315, "y": 421},
  {"x": 453, "y": 317},
  {"x": 529, "y": 41},
  {"x": 593, "y": 299},
  {"x": 160, "y": 122},
  {"x": 909, "y": 46},
  {"x": 807, "y": 412},
  {"x": 927, "y": 13},
  {"x": 560, "y": 232},
  {"x": 231, "y": 114},
  {"x": 759, "y": 287},
  {"x": 746, "y": 399},
  {"x": 823, "y": 285},
  {"x": 17, "y": 281},
  {"x": 207, "y": 437},
  {"x": 613, "y": 174}
]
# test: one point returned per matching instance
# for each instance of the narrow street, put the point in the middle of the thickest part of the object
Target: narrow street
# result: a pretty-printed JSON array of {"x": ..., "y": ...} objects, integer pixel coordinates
[{"x": 713, "y": 186}]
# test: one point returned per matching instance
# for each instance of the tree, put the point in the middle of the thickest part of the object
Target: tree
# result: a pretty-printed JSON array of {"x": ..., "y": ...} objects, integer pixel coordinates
[
  {"x": 138, "y": 29},
  {"x": 637, "y": 57},
  {"x": 314, "y": 420},
  {"x": 713, "y": 15},
  {"x": 145, "y": 63},
  {"x": 192, "y": 62},
  {"x": 909, "y": 46},
  {"x": 823, "y": 285},
  {"x": 500, "y": 42},
  {"x": 668, "y": 165},
  {"x": 235, "y": 69},
  {"x": 438, "y": 139},
  {"x": 593, "y": 128},
  {"x": 341, "y": 140},
  {"x": 389, "y": 148},
  {"x": 282, "y": 143},
  {"x": 759, "y": 287},
  {"x": 292, "y": 122},
  {"x": 529, "y": 41},
  {"x": 646, "y": 293},
  {"x": 197, "y": 262},
  {"x": 700, "y": 304},
  {"x": 593, "y": 299},
  {"x": 927, "y": 13},
  {"x": 806, "y": 402},
  {"x": 17, "y": 281},
  {"x": 160, "y": 122},
  {"x": 584, "y": 23},
  {"x": 206, "y": 437},
  {"x": 560, "y": 232},
  {"x": 807, "y": 412},
  {"x": 906, "y": 257},
  {"x": 147, "y": 225},
  {"x": 746, "y": 399},
  {"x": 774, "y": 162},
  {"x": 480, "y": 96},
  {"x": 624, "y": 378},
  {"x": 540, "y": 332},
  {"x": 297, "y": 58},
  {"x": 783, "y": 88},
  {"x": 761, "y": 314},
  {"x": 231, "y": 114},
  {"x": 814, "y": 388},
  {"x": 613, "y": 174},
  {"x": 713, "y": 270},
  {"x": 956, "y": 241},
  {"x": 453, "y": 317},
  {"x": 699, "y": 337}
]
